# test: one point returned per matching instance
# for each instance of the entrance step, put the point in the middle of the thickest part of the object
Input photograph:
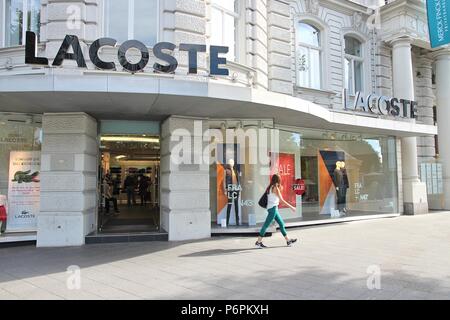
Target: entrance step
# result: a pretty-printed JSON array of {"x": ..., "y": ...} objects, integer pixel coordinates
[
  {"x": 11, "y": 238},
  {"x": 96, "y": 238}
]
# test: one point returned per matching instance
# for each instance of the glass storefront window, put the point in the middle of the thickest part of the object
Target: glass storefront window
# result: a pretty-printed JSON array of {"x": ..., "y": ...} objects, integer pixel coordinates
[
  {"x": 344, "y": 174},
  {"x": 348, "y": 174},
  {"x": 20, "y": 145}
]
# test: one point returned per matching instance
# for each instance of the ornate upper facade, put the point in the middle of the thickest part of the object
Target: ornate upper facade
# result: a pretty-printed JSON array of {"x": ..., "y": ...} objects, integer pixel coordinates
[{"x": 309, "y": 49}]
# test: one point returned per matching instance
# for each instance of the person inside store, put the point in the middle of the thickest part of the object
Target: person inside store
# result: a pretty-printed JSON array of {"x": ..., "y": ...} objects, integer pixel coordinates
[
  {"x": 232, "y": 188},
  {"x": 3, "y": 213},
  {"x": 143, "y": 187},
  {"x": 116, "y": 186},
  {"x": 129, "y": 186},
  {"x": 3, "y": 218},
  {"x": 109, "y": 196}
]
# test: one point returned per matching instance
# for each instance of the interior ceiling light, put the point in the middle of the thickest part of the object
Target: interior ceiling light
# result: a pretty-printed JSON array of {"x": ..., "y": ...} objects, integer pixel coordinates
[
  {"x": 120, "y": 157},
  {"x": 129, "y": 139}
]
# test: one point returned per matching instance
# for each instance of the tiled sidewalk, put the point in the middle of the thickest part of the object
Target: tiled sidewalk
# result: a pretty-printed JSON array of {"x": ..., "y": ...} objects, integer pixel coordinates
[{"x": 331, "y": 262}]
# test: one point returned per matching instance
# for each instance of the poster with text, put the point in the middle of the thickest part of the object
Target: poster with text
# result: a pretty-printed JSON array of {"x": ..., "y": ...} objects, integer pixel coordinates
[
  {"x": 284, "y": 165},
  {"x": 23, "y": 190}
]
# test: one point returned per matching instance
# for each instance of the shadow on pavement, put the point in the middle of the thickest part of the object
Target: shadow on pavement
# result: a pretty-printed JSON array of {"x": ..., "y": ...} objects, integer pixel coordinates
[{"x": 218, "y": 252}]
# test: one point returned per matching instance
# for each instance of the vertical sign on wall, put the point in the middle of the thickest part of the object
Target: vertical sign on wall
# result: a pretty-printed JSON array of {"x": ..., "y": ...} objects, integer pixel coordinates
[
  {"x": 23, "y": 190},
  {"x": 438, "y": 12}
]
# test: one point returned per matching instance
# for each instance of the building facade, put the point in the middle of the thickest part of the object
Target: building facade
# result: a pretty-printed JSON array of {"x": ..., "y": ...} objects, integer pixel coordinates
[{"x": 344, "y": 100}]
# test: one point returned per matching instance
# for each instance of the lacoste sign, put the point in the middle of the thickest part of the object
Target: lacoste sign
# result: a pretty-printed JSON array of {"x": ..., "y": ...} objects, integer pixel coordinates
[
  {"x": 161, "y": 51},
  {"x": 381, "y": 105}
]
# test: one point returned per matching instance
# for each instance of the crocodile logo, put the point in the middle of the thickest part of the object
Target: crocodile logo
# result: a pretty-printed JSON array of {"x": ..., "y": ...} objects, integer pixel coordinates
[{"x": 26, "y": 177}]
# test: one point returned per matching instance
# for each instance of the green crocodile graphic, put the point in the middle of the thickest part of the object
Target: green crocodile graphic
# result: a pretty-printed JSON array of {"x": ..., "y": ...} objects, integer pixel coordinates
[{"x": 26, "y": 177}]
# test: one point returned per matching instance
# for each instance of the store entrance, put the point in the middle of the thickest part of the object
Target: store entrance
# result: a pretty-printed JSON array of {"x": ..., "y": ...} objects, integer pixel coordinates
[{"x": 129, "y": 184}]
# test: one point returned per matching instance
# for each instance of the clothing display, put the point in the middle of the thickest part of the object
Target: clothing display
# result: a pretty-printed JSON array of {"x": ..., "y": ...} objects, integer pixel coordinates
[
  {"x": 341, "y": 184},
  {"x": 233, "y": 189}
]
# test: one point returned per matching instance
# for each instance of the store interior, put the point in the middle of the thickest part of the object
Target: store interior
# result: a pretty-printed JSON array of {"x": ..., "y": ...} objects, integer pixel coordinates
[{"x": 129, "y": 184}]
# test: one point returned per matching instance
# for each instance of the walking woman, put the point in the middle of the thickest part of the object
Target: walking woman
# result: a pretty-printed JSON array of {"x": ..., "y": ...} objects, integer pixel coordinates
[{"x": 273, "y": 200}]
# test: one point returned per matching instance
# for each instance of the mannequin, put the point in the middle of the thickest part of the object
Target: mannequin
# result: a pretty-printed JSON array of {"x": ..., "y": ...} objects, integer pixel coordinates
[
  {"x": 341, "y": 184},
  {"x": 346, "y": 186},
  {"x": 232, "y": 188}
]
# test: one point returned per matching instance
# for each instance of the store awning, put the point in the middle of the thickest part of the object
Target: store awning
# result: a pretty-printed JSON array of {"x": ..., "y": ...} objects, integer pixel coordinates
[{"x": 109, "y": 95}]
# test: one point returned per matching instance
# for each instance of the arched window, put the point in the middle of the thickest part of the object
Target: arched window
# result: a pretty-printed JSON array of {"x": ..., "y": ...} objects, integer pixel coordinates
[
  {"x": 309, "y": 56},
  {"x": 224, "y": 25},
  {"x": 354, "y": 65}
]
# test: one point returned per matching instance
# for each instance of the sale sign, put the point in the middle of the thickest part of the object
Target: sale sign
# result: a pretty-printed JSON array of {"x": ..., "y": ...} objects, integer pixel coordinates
[
  {"x": 299, "y": 187},
  {"x": 284, "y": 165}
]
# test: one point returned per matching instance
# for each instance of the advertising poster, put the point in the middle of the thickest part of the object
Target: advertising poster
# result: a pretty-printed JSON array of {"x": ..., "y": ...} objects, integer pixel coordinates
[
  {"x": 23, "y": 190},
  {"x": 284, "y": 165},
  {"x": 438, "y": 12},
  {"x": 229, "y": 188},
  {"x": 327, "y": 188}
]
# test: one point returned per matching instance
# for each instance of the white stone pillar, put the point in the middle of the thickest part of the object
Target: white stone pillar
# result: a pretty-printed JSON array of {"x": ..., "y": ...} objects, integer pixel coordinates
[
  {"x": 443, "y": 116},
  {"x": 185, "y": 199},
  {"x": 414, "y": 192},
  {"x": 69, "y": 161}
]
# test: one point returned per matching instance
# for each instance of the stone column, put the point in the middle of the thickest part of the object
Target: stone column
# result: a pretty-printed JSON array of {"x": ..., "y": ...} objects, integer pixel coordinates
[
  {"x": 68, "y": 179},
  {"x": 414, "y": 191},
  {"x": 185, "y": 202},
  {"x": 443, "y": 115}
]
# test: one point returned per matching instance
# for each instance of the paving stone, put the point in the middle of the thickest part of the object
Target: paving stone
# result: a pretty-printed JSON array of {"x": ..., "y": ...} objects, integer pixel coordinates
[{"x": 332, "y": 262}]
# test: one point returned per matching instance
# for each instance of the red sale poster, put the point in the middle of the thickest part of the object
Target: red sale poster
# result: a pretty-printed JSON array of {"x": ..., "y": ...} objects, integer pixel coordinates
[{"x": 284, "y": 165}]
